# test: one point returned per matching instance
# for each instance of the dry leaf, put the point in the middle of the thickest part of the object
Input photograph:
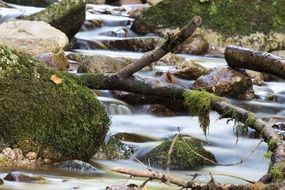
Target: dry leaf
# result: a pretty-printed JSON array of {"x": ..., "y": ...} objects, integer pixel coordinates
[{"x": 55, "y": 79}]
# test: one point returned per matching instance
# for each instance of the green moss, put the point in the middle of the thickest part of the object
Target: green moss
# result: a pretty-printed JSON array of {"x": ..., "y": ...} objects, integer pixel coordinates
[
  {"x": 277, "y": 172},
  {"x": 66, "y": 15},
  {"x": 242, "y": 17},
  {"x": 250, "y": 120},
  {"x": 200, "y": 103},
  {"x": 37, "y": 115},
  {"x": 272, "y": 143},
  {"x": 114, "y": 149},
  {"x": 183, "y": 156}
]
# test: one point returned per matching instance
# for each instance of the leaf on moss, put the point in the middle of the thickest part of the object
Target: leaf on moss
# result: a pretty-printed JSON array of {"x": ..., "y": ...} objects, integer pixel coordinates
[{"x": 55, "y": 79}]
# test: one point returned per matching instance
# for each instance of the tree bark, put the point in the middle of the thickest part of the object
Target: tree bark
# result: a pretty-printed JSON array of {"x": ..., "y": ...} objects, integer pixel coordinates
[
  {"x": 159, "y": 52},
  {"x": 239, "y": 57}
]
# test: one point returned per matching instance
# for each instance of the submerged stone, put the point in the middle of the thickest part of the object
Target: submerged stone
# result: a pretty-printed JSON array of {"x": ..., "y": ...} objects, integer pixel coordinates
[
  {"x": 66, "y": 15},
  {"x": 113, "y": 149},
  {"x": 58, "y": 119},
  {"x": 78, "y": 166},
  {"x": 184, "y": 156},
  {"x": 20, "y": 177}
]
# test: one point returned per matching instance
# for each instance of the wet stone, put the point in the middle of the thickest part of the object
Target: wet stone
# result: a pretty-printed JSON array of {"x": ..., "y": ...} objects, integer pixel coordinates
[
  {"x": 21, "y": 177},
  {"x": 78, "y": 166}
]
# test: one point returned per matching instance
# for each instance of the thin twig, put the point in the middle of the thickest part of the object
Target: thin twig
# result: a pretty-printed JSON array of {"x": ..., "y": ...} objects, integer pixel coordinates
[
  {"x": 232, "y": 164},
  {"x": 144, "y": 183},
  {"x": 217, "y": 174},
  {"x": 168, "y": 163}
]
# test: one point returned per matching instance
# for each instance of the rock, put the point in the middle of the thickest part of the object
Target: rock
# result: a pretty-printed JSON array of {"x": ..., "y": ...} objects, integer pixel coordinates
[
  {"x": 170, "y": 59},
  {"x": 182, "y": 157},
  {"x": 18, "y": 154},
  {"x": 9, "y": 153},
  {"x": 189, "y": 70},
  {"x": 141, "y": 44},
  {"x": 78, "y": 166},
  {"x": 131, "y": 137},
  {"x": 114, "y": 149},
  {"x": 264, "y": 32},
  {"x": 66, "y": 15},
  {"x": 123, "y": 2},
  {"x": 20, "y": 177},
  {"x": 160, "y": 110},
  {"x": 98, "y": 63},
  {"x": 1, "y": 181},
  {"x": 36, "y": 109},
  {"x": 31, "y": 156},
  {"x": 56, "y": 61},
  {"x": 195, "y": 45},
  {"x": 153, "y": 2},
  {"x": 32, "y": 37},
  {"x": 4, "y": 161},
  {"x": 226, "y": 82},
  {"x": 91, "y": 24},
  {"x": 34, "y": 3}
]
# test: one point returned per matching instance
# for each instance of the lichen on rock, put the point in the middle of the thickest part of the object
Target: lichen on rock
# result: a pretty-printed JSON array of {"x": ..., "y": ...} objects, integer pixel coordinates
[{"x": 57, "y": 121}]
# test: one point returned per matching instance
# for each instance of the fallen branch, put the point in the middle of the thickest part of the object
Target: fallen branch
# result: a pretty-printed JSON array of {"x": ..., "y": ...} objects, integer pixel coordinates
[
  {"x": 168, "y": 46},
  {"x": 239, "y": 57},
  {"x": 151, "y": 175}
]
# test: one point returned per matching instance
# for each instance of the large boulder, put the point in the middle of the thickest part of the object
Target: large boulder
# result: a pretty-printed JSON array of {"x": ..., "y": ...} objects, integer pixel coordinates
[
  {"x": 260, "y": 24},
  {"x": 66, "y": 15},
  {"x": 226, "y": 82},
  {"x": 32, "y": 37},
  {"x": 47, "y": 112},
  {"x": 36, "y": 3},
  {"x": 183, "y": 156}
]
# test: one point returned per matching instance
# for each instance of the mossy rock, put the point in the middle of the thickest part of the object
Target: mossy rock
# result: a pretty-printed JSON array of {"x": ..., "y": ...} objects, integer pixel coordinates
[
  {"x": 57, "y": 121},
  {"x": 66, "y": 15},
  {"x": 243, "y": 17},
  {"x": 36, "y": 3},
  {"x": 114, "y": 149},
  {"x": 183, "y": 156}
]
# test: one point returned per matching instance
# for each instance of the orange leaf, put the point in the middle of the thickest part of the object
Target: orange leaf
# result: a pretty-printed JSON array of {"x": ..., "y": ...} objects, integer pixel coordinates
[{"x": 55, "y": 79}]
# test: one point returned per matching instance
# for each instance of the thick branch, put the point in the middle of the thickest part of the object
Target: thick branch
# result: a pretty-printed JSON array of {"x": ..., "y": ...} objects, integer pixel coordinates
[
  {"x": 255, "y": 60},
  {"x": 159, "y": 52}
]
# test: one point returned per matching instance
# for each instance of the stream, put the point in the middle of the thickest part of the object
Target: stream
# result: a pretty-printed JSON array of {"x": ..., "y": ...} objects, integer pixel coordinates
[{"x": 221, "y": 140}]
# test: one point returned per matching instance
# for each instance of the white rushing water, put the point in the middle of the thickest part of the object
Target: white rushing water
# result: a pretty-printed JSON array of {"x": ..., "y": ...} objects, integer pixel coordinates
[{"x": 221, "y": 140}]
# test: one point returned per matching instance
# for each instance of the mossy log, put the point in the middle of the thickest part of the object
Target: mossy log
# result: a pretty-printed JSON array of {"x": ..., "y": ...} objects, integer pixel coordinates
[
  {"x": 46, "y": 111},
  {"x": 239, "y": 57},
  {"x": 227, "y": 110},
  {"x": 66, "y": 15}
]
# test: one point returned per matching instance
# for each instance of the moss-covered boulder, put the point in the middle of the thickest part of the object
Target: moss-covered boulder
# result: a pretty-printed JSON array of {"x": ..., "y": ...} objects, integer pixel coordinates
[
  {"x": 66, "y": 15},
  {"x": 254, "y": 24},
  {"x": 47, "y": 112},
  {"x": 184, "y": 156},
  {"x": 36, "y": 3}
]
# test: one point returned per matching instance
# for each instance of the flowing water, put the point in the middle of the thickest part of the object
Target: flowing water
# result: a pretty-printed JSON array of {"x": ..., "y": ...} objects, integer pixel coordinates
[{"x": 221, "y": 140}]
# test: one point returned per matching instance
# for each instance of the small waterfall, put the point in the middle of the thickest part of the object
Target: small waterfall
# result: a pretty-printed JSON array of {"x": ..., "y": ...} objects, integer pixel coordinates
[{"x": 114, "y": 106}]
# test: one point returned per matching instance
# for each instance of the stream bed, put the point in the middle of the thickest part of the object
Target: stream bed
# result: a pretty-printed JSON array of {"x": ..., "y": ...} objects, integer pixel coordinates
[{"x": 221, "y": 140}]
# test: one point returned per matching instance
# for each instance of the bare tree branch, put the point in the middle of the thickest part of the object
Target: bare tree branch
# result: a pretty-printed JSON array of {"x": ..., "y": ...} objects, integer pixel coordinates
[{"x": 159, "y": 52}]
